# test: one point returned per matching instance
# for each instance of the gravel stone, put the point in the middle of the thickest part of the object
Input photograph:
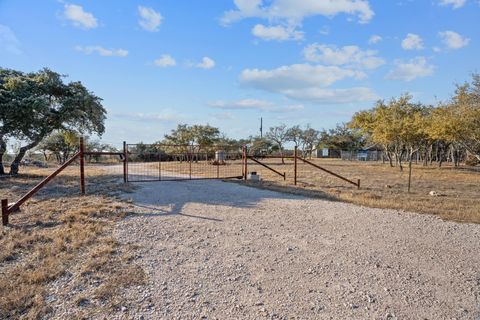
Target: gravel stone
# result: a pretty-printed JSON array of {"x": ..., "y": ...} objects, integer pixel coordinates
[{"x": 218, "y": 250}]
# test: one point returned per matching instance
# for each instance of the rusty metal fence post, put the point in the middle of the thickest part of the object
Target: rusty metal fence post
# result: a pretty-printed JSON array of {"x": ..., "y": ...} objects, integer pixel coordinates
[
  {"x": 82, "y": 165},
  {"x": 245, "y": 162},
  {"x": 124, "y": 161},
  {"x": 295, "y": 163},
  {"x": 159, "y": 166},
  {"x": 5, "y": 212},
  {"x": 190, "y": 160}
]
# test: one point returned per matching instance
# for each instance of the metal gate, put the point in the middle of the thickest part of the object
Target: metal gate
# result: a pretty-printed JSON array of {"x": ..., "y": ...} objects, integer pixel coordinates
[{"x": 161, "y": 162}]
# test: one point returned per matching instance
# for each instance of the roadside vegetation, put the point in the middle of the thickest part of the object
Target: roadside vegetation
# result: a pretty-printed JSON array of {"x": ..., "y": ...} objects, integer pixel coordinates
[{"x": 60, "y": 252}]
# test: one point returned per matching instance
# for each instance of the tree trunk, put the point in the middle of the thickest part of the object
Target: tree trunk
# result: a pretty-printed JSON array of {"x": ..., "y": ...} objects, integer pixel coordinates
[
  {"x": 457, "y": 157},
  {"x": 280, "y": 148},
  {"x": 390, "y": 160},
  {"x": 14, "y": 167},
  {"x": 399, "y": 159},
  {"x": 430, "y": 154},
  {"x": 3, "y": 150},
  {"x": 410, "y": 171},
  {"x": 441, "y": 151}
]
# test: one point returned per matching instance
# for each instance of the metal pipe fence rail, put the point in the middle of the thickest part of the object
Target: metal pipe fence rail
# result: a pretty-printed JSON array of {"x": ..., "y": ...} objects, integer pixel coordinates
[
  {"x": 265, "y": 162},
  {"x": 9, "y": 208},
  {"x": 163, "y": 162},
  {"x": 156, "y": 162}
]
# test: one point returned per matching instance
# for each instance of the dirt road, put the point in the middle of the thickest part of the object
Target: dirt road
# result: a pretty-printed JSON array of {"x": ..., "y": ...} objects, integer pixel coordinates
[{"x": 219, "y": 250}]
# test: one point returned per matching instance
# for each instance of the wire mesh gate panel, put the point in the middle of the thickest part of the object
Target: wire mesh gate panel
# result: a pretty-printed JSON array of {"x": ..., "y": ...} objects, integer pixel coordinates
[{"x": 160, "y": 162}]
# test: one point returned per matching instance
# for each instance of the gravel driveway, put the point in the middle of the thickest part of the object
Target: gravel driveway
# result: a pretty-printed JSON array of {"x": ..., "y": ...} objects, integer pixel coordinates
[{"x": 218, "y": 250}]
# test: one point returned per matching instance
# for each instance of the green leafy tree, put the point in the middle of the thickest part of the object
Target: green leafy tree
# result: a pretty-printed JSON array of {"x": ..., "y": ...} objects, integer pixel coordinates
[
  {"x": 398, "y": 126},
  {"x": 259, "y": 146},
  {"x": 33, "y": 105},
  {"x": 458, "y": 121},
  {"x": 342, "y": 138},
  {"x": 60, "y": 144},
  {"x": 205, "y": 137},
  {"x": 195, "y": 138}
]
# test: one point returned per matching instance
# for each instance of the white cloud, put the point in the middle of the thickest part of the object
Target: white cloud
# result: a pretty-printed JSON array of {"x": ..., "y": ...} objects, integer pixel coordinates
[
  {"x": 279, "y": 33},
  {"x": 150, "y": 19},
  {"x": 207, "y": 63},
  {"x": 245, "y": 104},
  {"x": 166, "y": 115},
  {"x": 165, "y": 61},
  {"x": 412, "y": 42},
  {"x": 374, "y": 39},
  {"x": 328, "y": 95},
  {"x": 453, "y": 40},
  {"x": 410, "y": 70},
  {"x": 454, "y": 3},
  {"x": 8, "y": 41},
  {"x": 223, "y": 116},
  {"x": 351, "y": 56},
  {"x": 79, "y": 17},
  {"x": 294, "y": 11},
  {"x": 297, "y": 75},
  {"x": 102, "y": 51},
  {"x": 254, "y": 104},
  {"x": 307, "y": 82}
]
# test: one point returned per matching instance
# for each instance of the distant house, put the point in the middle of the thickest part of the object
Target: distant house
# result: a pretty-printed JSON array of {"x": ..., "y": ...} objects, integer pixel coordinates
[
  {"x": 371, "y": 153},
  {"x": 326, "y": 153}
]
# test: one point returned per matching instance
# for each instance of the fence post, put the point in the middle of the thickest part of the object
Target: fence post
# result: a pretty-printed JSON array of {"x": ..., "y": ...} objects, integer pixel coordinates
[
  {"x": 245, "y": 161},
  {"x": 358, "y": 183},
  {"x": 159, "y": 166},
  {"x": 124, "y": 162},
  {"x": 295, "y": 155},
  {"x": 82, "y": 165},
  {"x": 4, "y": 212},
  {"x": 190, "y": 160}
]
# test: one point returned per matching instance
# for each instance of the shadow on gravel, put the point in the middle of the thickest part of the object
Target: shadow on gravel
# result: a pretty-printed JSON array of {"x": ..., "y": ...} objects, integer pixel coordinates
[
  {"x": 170, "y": 198},
  {"x": 157, "y": 212}
]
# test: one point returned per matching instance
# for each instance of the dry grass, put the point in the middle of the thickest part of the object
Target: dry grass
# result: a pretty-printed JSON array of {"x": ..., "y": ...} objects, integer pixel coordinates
[
  {"x": 59, "y": 248},
  {"x": 386, "y": 187}
]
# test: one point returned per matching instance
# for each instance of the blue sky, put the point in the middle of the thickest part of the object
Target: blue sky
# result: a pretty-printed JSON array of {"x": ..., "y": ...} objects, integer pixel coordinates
[{"x": 230, "y": 62}]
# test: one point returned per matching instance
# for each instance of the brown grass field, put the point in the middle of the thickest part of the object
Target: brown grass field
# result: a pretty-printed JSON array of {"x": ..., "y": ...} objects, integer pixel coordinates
[
  {"x": 385, "y": 187},
  {"x": 61, "y": 243}
]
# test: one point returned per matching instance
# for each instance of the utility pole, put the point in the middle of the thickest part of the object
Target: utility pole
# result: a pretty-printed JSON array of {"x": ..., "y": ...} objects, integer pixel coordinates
[{"x": 261, "y": 128}]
